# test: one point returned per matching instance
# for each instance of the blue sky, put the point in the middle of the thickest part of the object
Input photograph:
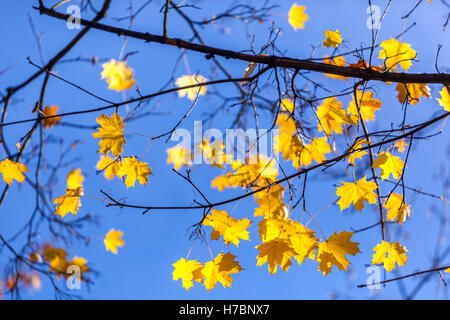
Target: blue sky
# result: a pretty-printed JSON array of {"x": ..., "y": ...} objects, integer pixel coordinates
[{"x": 143, "y": 267}]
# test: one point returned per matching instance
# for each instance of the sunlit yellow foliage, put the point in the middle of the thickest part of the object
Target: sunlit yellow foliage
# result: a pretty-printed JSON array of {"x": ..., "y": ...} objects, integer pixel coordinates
[
  {"x": 12, "y": 170},
  {"x": 111, "y": 133},
  {"x": 297, "y": 16},
  {"x": 190, "y": 80},
  {"x": 118, "y": 75},
  {"x": 113, "y": 240},
  {"x": 395, "y": 53},
  {"x": 389, "y": 254},
  {"x": 356, "y": 192}
]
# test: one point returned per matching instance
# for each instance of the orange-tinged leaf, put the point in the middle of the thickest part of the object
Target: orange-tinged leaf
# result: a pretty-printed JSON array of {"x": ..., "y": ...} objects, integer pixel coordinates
[
  {"x": 389, "y": 164},
  {"x": 231, "y": 229},
  {"x": 297, "y": 16},
  {"x": 356, "y": 192},
  {"x": 70, "y": 202},
  {"x": 389, "y": 254},
  {"x": 113, "y": 239},
  {"x": 12, "y": 170},
  {"x": 395, "y": 53},
  {"x": 111, "y": 133},
  {"x": 401, "y": 145},
  {"x": 185, "y": 270},
  {"x": 50, "y": 111},
  {"x": 134, "y": 170},
  {"x": 333, "y": 250}
]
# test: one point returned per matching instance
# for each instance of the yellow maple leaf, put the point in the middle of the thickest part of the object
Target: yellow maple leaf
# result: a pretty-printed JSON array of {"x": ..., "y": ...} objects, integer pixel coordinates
[
  {"x": 297, "y": 16},
  {"x": 287, "y": 105},
  {"x": 389, "y": 254},
  {"x": 221, "y": 182},
  {"x": 134, "y": 170},
  {"x": 412, "y": 92},
  {"x": 333, "y": 250},
  {"x": 213, "y": 154},
  {"x": 118, "y": 75},
  {"x": 333, "y": 39},
  {"x": 70, "y": 202},
  {"x": 109, "y": 166},
  {"x": 316, "y": 151},
  {"x": 81, "y": 263},
  {"x": 189, "y": 80},
  {"x": 113, "y": 239},
  {"x": 367, "y": 104},
  {"x": 397, "y": 208},
  {"x": 356, "y": 192},
  {"x": 111, "y": 133},
  {"x": 389, "y": 164},
  {"x": 332, "y": 116},
  {"x": 187, "y": 271},
  {"x": 179, "y": 156},
  {"x": 444, "y": 101},
  {"x": 395, "y": 53},
  {"x": 75, "y": 179},
  {"x": 270, "y": 203},
  {"x": 337, "y": 61},
  {"x": 50, "y": 111},
  {"x": 224, "y": 225},
  {"x": 12, "y": 170},
  {"x": 275, "y": 252},
  {"x": 220, "y": 270}
]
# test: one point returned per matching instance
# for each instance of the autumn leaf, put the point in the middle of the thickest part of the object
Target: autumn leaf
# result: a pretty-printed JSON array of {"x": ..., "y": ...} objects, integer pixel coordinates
[
  {"x": 134, "y": 170},
  {"x": 333, "y": 250},
  {"x": 337, "y": 61},
  {"x": 395, "y": 53},
  {"x": 231, "y": 229},
  {"x": 332, "y": 116},
  {"x": 111, "y": 133},
  {"x": 297, "y": 16},
  {"x": 401, "y": 145},
  {"x": 389, "y": 254},
  {"x": 56, "y": 258},
  {"x": 316, "y": 151},
  {"x": 179, "y": 156},
  {"x": 70, "y": 202},
  {"x": 113, "y": 239},
  {"x": 389, "y": 164},
  {"x": 362, "y": 64},
  {"x": 220, "y": 270},
  {"x": 118, "y": 75},
  {"x": 444, "y": 101},
  {"x": 12, "y": 170},
  {"x": 287, "y": 105},
  {"x": 75, "y": 179},
  {"x": 412, "y": 92},
  {"x": 275, "y": 252},
  {"x": 213, "y": 154},
  {"x": 48, "y": 112},
  {"x": 356, "y": 192},
  {"x": 109, "y": 166},
  {"x": 397, "y": 208},
  {"x": 189, "y": 80},
  {"x": 333, "y": 39},
  {"x": 367, "y": 104},
  {"x": 186, "y": 271},
  {"x": 79, "y": 262}
]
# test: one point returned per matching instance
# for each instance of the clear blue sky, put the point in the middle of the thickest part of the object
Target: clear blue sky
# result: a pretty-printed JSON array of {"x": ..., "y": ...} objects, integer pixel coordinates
[{"x": 143, "y": 267}]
